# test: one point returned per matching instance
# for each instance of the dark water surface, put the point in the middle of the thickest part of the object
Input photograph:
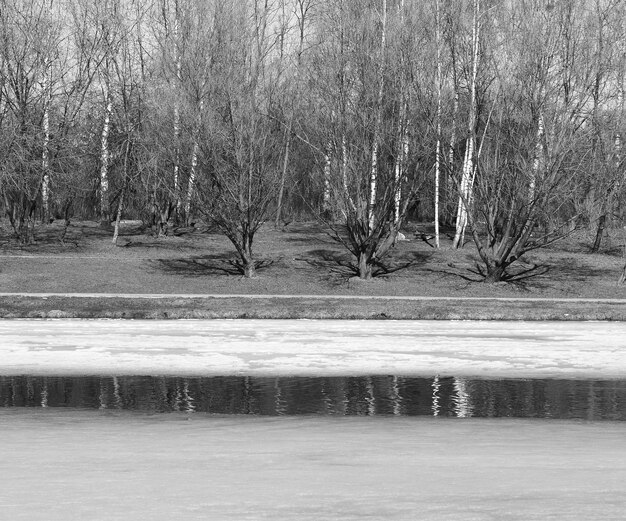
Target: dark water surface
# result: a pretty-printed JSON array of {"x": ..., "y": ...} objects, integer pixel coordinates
[{"x": 343, "y": 396}]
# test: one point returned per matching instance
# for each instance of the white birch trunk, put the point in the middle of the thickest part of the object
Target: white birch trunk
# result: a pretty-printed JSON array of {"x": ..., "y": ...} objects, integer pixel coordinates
[
  {"x": 617, "y": 144},
  {"x": 537, "y": 159},
  {"x": 437, "y": 190},
  {"x": 177, "y": 115},
  {"x": 104, "y": 159},
  {"x": 192, "y": 179},
  {"x": 467, "y": 175},
  {"x": 455, "y": 113},
  {"x": 464, "y": 194},
  {"x": 45, "y": 154},
  {"x": 327, "y": 173},
  {"x": 397, "y": 173},
  {"x": 373, "y": 181},
  {"x": 438, "y": 147},
  {"x": 194, "y": 164},
  {"x": 402, "y": 137},
  {"x": 451, "y": 187},
  {"x": 177, "y": 158},
  {"x": 373, "y": 185},
  {"x": 403, "y": 154}
]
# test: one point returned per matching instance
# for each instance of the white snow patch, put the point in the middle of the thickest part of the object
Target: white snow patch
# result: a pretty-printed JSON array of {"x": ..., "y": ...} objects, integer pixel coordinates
[{"x": 313, "y": 348}]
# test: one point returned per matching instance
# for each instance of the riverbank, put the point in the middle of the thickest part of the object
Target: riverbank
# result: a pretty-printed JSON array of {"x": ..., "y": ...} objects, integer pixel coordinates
[
  {"x": 304, "y": 274},
  {"x": 185, "y": 306}
]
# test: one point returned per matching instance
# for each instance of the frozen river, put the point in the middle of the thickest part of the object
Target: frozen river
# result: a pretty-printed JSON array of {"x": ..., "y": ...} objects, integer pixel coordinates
[
  {"x": 62, "y": 461},
  {"x": 313, "y": 348},
  {"x": 69, "y": 465}
]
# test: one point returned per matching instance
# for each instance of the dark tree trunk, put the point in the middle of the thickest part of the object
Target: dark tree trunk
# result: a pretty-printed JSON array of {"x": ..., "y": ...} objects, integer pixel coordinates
[
  {"x": 495, "y": 274},
  {"x": 365, "y": 266},
  {"x": 249, "y": 266},
  {"x": 249, "y": 269},
  {"x": 247, "y": 257},
  {"x": 599, "y": 234},
  {"x": 163, "y": 230}
]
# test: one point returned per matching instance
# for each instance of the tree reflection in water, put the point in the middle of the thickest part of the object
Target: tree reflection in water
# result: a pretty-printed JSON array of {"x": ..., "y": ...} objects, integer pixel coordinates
[{"x": 364, "y": 396}]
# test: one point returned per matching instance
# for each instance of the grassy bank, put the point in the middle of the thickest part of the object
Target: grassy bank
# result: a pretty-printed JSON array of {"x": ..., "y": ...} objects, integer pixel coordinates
[
  {"x": 300, "y": 260},
  {"x": 308, "y": 307}
]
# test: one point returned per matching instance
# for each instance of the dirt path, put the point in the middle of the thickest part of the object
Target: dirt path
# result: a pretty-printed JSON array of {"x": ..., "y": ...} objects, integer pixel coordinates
[{"x": 460, "y": 300}]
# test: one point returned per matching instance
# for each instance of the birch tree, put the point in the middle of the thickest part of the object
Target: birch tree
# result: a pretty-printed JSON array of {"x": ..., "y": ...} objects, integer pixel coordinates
[
  {"x": 201, "y": 33},
  {"x": 176, "y": 124},
  {"x": 29, "y": 38},
  {"x": 438, "y": 148},
  {"x": 468, "y": 169},
  {"x": 171, "y": 28},
  {"x": 130, "y": 76},
  {"x": 108, "y": 19},
  {"x": 378, "y": 110},
  {"x": 72, "y": 99},
  {"x": 530, "y": 161},
  {"x": 362, "y": 128},
  {"x": 607, "y": 119}
]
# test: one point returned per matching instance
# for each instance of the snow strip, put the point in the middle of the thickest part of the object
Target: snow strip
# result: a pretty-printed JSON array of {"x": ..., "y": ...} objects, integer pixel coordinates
[{"x": 313, "y": 348}]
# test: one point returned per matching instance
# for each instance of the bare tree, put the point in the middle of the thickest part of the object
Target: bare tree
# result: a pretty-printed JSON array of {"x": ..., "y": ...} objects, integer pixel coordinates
[
  {"x": 607, "y": 118},
  {"x": 468, "y": 172},
  {"x": 531, "y": 150},
  {"x": 239, "y": 144},
  {"x": 292, "y": 84},
  {"x": 361, "y": 120},
  {"x": 29, "y": 37},
  {"x": 438, "y": 151},
  {"x": 130, "y": 76}
]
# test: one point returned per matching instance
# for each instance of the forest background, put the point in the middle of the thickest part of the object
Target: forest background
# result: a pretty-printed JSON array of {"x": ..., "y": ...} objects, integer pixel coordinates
[{"x": 499, "y": 123}]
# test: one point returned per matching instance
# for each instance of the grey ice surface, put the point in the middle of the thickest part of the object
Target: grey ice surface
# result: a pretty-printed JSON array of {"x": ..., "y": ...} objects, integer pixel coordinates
[{"x": 76, "y": 465}]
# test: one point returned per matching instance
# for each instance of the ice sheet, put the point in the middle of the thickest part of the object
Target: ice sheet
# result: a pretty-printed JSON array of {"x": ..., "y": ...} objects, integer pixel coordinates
[
  {"x": 315, "y": 348},
  {"x": 89, "y": 465}
]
